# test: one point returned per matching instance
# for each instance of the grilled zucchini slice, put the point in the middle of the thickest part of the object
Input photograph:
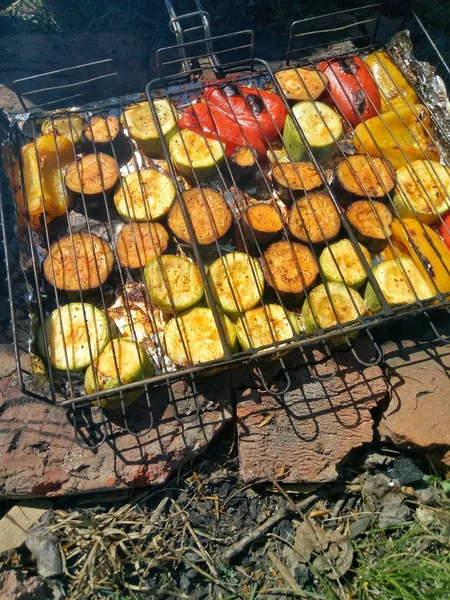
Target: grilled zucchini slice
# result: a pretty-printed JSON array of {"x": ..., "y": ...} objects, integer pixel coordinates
[
  {"x": 193, "y": 154},
  {"x": 145, "y": 195},
  {"x": 69, "y": 126},
  {"x": 423, "y": 191},
  {"x": 397, "y": 287},
  {"x": 237, "y": 282},
  {"x": 342, "y": 254},
  {"x": 138, "y": 119},
  {"x": 78, "y": 330},
  {"x": 262, "y": 326},
  {"x": 174, "y": 283},
  {"x": 192, "y": 337},
  {"x": 314, "y": 218},
  {"x": 121, "y": 362}
]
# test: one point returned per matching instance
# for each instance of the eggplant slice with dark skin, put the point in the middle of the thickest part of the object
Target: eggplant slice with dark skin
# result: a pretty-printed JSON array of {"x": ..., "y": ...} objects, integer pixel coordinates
[
  {"x": 140, "y": 242},
  {"x": 105, "y": 133},
  {"x": 362, "y": 176},
  {"x": 295, "y": 179},
  {"x": 371, "y": 220},
  {"x": 92, "y": 175},
  {"x": 314, "y": 218},
  {"x": 262, "y": 223}
]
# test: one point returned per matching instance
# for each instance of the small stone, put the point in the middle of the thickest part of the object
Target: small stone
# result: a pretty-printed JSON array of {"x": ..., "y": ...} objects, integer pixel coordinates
[
  {"x": 254, "y": 508},
  {"x": 284, "y": 530},
  {"x": 224, "y": 490},
  {"x": 406, "y": 471},
  {"x": 359, "y": 526},
  {"x": 303, "y": 576}
]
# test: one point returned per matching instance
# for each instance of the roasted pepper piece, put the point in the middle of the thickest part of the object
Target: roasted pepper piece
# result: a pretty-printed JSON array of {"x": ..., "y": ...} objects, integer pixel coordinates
[
  {"x": 397, "y": 136},
  {"x": 395, "y": 91},
  {"x": 427, "y": 250},
  {"x": 42, "y": 163}
]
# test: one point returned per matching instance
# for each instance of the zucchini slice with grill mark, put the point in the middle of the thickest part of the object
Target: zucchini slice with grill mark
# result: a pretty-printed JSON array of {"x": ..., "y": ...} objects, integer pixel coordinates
[
  {"x": 398, "y": 288},
  {"x": 327, "y": 307},
  {"x": 79, "y": 330},
  {"x": 145, "y": 195},
  {"x": 262, "y": 326},
  {"x": 80, "y": 261},
  {"x": 322, "y": 128},
  {"x": 138, "y": 243},
  {"x": 423, "y": 191},
  {"x": 308, "y": 213},
  {"x": 174, "y": 283},
  {"x": 342, "y": 254},
  {"x": 70, "y": 127},
  {"x": 261, "y": 222},
  {"x": 371, "y": 221},
  {"x": 294, "y": 179},
  {"x": 237, "y": 282},
  {"x": 199, "y": 341},
  {"x": 92, "y": 175},
  {"x": 121, "y": 362},
  {"x": 210, "y": 215},
  {"x": 302, "y": 84},
  {"x": 366, "y": 176},
  {"x": 194, "y": 155},
  {"x": 138, "y": 120},
  {"x": 289, "y": 267}
]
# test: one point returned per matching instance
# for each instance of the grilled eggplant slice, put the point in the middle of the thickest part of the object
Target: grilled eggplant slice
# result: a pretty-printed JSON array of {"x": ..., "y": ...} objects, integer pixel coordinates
[
  {"x": 423, "y": 191},
  {"x": 138, "y": 120},
  {"x": 243, "y": 162},
  {"x": 174, "y": 283},
  {"x": 92, "y": 175},
  {"x": 138, "y": 243},
  {"x": 210, "y": 215},
  {"x": 76, "y": 334},
  {"x": 120, "y": 363},
  {"x": 290, "y": 268},
  {"x": 340, "y": 263},
  {"x": 145, "y": 195},
  {"x": 68, "y": 126},
  {"x": 192, "y": 337},
  {"x": 400, "y": 281},
  {"x": 105, "y": 133},
  {"x": 237, "y": 282},
  {"x": 371, "y": 221},
  {"x": 193, "y": 155},
  {"x": 261, "y": 223},
  {"x": 366, "y": 176},
  {"x": 314, "y": 218},
  {"x": 302, "y": 84},
  {"x": 265, "y": 325},
  {"x": 294, "y": 179},
  {"x": 78, "y": 262}
]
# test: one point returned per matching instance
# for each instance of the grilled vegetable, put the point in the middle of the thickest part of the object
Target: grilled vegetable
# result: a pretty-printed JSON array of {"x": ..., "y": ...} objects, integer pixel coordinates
[
  {"x": 120, "y": 363},
  {"x": 243, "y": 162},
  {"x": 398, "y": 137},
  {"x": 265, "y": 325},
  {"x": 294, "y": 179},
  {"x": 330, "y": 305},
  {"x": 400, "y": 281},
  {"x": 193, "y": 155},
  {"x": 392, "y": 250},
  {"x": 145, "y": 195},
  {"x": 444, "y": 229},
  {"x": 42, "y": 161},
  {"x": 340, "y": 263},
  {"x": 174, "y": 283},
  {"x": 314, "y": 218},
  {"x": 302, "y": 84},
  {"x": 321, "y": 126},
  {"x": 92, "y": 175},
  {"x": 68, "y": 126},
  {"x": 237, "y": 282},
  {"x": 107, "y": 136},
  {"x": 423, "y": 191},
  {"x": 366, "y": 176},
  {"x": 210, "y": 216},
  {"x": 429, "y": 253},
  {"x": 290, "y": 268},
  {"x": 261, "y": 222},
  {"x": 371, "y": 221},
  {"x": 138, "y": 120},
  {"x": 76, "y": 334},
  {"x": 352, "y": 88},
  {"x": 140, "y": 242},
  {"x": 255, "y": 109},
  {"x": 396, "y": 93},
  {"x": 215, "y": 125},
  {"x": 199, "y": 341},
  {"x": 80, "y": 261}
]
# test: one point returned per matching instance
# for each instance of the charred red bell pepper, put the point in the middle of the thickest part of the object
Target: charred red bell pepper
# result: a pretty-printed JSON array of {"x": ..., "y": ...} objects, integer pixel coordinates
[
  {"x": 257, "y": 110},
  {"x": 217, "y": 126},
  {"x": 352, "y": 88}
]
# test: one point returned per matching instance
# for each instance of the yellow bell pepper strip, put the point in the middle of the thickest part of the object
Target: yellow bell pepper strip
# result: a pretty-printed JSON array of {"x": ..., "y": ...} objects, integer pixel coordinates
[
  {"x": 42, "y": 164},
  {"x": 428, "y": 251},
  {"x": 395, "y": 91},
  {"x": 397, "y": 136}
]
